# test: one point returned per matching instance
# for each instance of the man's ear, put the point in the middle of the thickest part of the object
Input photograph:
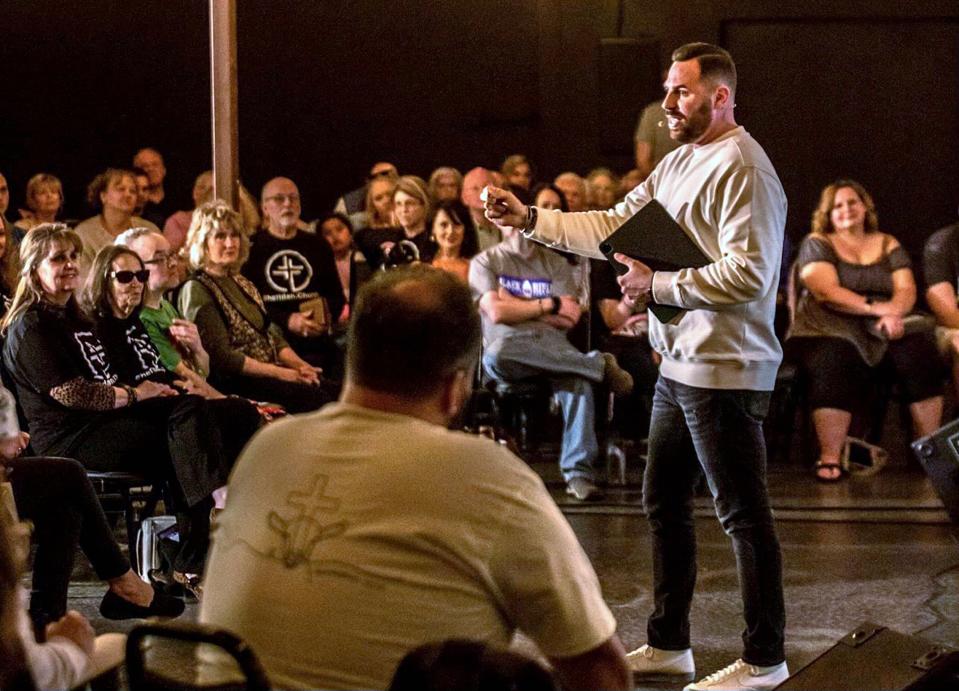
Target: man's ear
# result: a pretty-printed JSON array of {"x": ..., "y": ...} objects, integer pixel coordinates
[
  {"x": 721, "y": 97},
  {"x": 456, "y": 392}
]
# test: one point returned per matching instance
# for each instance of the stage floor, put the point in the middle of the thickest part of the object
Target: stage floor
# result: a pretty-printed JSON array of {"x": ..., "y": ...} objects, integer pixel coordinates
[{"x": 878, "y": 549}]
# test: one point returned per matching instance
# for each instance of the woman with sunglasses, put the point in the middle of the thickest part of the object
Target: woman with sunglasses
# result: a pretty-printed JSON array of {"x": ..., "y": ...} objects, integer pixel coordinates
[
  {"x": 77, "y": 405},
  {"x": 176, "y": 339},
  {"x": 113, "y": 299}
]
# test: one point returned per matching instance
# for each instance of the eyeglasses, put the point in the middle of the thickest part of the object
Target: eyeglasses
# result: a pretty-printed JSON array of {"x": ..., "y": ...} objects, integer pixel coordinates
[
  {"x": 127, "y": 276},
  {"x": 280, "y": 198},
  {"x": 161, "y": 258}
]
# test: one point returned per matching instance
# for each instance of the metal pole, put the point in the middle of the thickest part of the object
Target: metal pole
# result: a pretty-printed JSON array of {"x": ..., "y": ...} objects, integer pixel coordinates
[{"x": 226, "y": 166}]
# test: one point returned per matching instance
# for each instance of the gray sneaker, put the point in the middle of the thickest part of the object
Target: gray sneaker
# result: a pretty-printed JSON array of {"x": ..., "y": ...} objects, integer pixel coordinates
[
  {"x": 620, "y": 381},
  {"x": 582, "y": 489}
]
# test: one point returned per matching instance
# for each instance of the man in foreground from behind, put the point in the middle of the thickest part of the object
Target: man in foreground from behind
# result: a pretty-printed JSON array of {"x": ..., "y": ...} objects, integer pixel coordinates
[{"x": 355, "y": 534}]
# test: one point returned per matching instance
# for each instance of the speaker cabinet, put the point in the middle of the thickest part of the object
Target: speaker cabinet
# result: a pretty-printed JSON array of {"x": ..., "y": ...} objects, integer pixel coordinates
[
  {"x": 939, "y": 455},
  {"x": 876, "y": 658}
]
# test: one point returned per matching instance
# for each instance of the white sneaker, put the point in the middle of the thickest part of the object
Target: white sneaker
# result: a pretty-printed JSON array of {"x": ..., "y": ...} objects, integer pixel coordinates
[
  {"x": 652, "y": 664},
  {"x": 741, "y": 675}
]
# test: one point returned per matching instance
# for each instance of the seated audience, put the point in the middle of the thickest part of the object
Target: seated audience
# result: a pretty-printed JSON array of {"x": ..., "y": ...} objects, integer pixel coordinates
[
  {"x": 455, "y": 239},
  {"x": 56, "y": 496},
  {"x": 549, "y": 196},
  {"x": 5, "y": 225},
  {"x": 412, "y": 211},
  {"x": 446, "y": 184},
  {"x": 473, "y": 183},
  {"x": 177, "y": 225},
  {"x": 71, "y": 653},
  {"x": 143, "y": 185},
  {"x": 351, "y": 266},
  {"x": 603, "y": 188},
  {"x": 159, "y": 206},
  {"x": 621, "y": 327},
  {"x": 9, "y": 265},
  {"x": 295, "y": 273},
  {"x": 526, "y": 295},
  {"x": 857, "y": 288},
  {"x": 176, "y": 340},
  {"x": 44, "y": 202},
  {"x": 378, "y": 206},
  {"x": 518, "y": 172},
  {"x": 370, "y": 541},
  {"x": 574, "y": 189},
  {"x": 941, "y": 265},
  {"x": 248, "y": 354},
  {"x": 357, "y": 200},
  {"x": 76, "y": 405},
  {"x": 113, "y": 194}
]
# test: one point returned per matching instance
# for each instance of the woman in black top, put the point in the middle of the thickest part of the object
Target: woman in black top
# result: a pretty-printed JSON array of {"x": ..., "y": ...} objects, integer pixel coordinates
[
  {"x": 50, "y": 354},
  {"x": 856, "y": 288},
  {"x": 77, "y": 406},
  {"x": 113, "y": 298}
]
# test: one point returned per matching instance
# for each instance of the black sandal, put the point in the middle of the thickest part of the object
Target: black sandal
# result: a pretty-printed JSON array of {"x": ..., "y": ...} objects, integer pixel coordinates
[{"x": 840, "y": 473}]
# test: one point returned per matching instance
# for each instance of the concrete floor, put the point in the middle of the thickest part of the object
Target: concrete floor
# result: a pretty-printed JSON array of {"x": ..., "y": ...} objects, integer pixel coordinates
[{"x": 878, "y": 549}]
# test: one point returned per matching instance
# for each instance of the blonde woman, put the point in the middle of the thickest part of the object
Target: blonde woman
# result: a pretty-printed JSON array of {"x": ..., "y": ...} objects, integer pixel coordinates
[
  {"x": 44, "y": 202},
  {"x": 248, "y": 354}
]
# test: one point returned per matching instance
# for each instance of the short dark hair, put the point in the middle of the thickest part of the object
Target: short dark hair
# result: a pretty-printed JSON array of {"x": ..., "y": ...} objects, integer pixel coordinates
[
  {"x": 563, "y": 203},
  {"x": 715, "y": 63},
  {"x": 412, "y": 328},
  {"x": 342, "y": 218},
  {"x": 460, "y": 215}
]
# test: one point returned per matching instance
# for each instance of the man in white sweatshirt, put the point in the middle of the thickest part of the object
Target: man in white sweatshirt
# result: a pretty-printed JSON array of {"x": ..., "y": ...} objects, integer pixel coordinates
[{"x": 719, "y": 360}]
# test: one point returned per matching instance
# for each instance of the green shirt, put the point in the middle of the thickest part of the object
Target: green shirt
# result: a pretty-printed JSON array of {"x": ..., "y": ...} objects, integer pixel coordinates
[{"x": 157, "y": 323}]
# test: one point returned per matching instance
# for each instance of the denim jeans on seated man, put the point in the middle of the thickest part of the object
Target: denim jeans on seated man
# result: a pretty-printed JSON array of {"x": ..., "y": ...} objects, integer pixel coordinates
[
  {"x": 547, "y": 353},
  {"x": 725, "y": 427}
]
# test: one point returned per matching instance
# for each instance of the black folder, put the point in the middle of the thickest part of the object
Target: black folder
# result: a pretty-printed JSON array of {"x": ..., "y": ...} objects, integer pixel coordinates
[{"x": 653, "y": 237}]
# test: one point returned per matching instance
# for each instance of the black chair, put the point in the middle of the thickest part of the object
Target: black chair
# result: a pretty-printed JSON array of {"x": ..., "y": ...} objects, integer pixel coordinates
[
  {"x": 162, "y": 657},
  {"x": 517, "y": 404},
  {"x": 130, "y": 494}
]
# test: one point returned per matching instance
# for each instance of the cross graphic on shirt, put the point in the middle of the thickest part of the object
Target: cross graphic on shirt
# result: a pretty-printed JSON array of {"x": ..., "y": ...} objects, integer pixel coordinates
[
  {"x": 288, "y": 270},
  {"x": 315, "y": 499}
]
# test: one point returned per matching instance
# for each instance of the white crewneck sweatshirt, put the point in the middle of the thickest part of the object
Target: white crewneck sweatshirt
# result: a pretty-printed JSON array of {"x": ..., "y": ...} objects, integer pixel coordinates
[{"x": 727, "y": 197}]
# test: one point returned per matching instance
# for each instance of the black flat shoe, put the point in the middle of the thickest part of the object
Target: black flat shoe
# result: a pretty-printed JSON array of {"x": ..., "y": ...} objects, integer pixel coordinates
[{"x": 115, "y": 607}]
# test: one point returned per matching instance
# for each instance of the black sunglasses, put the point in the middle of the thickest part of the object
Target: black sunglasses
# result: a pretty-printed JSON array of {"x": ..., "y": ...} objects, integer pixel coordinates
[{"x": 126, "y": 276}]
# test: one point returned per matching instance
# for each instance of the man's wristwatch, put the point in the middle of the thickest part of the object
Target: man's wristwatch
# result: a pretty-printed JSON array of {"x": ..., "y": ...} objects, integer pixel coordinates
[
  {"x": 531, "y": 216},
  {"x": 557, "y": 303}
]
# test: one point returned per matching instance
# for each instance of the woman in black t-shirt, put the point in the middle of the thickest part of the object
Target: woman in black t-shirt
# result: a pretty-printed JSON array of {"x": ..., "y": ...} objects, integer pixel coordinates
[
  {"x": 65, "y": 388},
  {"x": 77, "y": 406},
  {"x": 112, "y": 300}
]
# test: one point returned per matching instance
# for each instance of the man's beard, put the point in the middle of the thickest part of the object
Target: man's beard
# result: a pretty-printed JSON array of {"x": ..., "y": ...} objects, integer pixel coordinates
[{"x": 693, "y": 127}]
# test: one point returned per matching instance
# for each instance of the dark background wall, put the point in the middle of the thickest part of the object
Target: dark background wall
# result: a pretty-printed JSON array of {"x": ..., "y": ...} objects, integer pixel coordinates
[{"x": 864, "y": 89}]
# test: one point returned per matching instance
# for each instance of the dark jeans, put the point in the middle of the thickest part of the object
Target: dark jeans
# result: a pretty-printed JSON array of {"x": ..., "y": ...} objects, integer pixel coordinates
[
  {"x": 725, "y": 428},
  {"x": 56, "y": 496}
]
